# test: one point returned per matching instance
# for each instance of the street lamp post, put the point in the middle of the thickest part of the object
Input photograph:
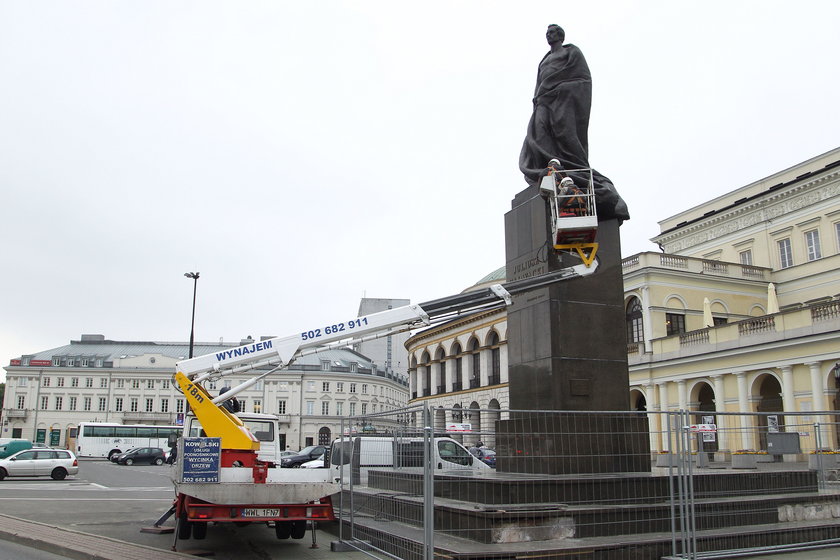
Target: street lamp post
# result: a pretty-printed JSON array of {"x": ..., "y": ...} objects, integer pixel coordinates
[{"x": 194, "y": 276}]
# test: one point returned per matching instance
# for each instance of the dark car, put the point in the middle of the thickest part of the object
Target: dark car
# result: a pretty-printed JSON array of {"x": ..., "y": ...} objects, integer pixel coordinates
[
  {"x": 140, "y": 455},
  {"x": 488, "y": 456},
  {"x": 304, "y": 456}
]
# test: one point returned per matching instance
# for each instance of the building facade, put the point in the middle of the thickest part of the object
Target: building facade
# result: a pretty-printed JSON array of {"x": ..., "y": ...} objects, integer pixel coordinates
[
  {"x": 739, "y": 313},
  {"x": 93, "y": 379}
]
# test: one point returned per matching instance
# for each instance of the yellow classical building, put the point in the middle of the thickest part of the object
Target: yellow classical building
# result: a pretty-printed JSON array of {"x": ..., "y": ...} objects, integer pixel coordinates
[{"x": 739, "y": 313}]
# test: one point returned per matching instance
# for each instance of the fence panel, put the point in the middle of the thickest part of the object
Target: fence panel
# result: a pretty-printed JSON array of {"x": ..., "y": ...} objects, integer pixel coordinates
[{"x": 420, "y": 483}]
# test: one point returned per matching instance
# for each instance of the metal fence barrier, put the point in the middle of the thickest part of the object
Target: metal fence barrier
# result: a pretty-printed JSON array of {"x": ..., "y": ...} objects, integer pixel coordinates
[{"x": 423, "y": 483}]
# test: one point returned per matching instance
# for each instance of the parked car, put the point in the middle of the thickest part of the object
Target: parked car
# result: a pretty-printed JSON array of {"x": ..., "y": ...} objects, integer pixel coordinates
[
  {"x": 138, "y": 455},
  {"x": 57, "y": 463},
  {"x": 318, "y": 463},
  {"x": 304, "y": 456},
  {"x": 486, "y": 456}
]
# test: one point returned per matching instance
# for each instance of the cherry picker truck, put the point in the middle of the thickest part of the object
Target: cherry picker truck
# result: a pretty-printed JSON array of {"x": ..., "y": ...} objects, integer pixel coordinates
[{"x": 248, "y": 489}]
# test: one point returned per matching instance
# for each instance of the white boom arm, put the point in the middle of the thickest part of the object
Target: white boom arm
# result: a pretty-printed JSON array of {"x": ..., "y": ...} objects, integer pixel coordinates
[{"x": 282, "y": 351}]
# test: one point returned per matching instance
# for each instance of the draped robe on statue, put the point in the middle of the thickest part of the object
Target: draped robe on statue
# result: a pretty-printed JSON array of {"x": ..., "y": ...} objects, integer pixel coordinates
[{"x": 559, "y": 127}]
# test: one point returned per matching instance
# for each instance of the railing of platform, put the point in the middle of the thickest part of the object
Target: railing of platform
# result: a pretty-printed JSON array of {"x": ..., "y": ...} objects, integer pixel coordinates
[{"x": 640, "y": 484}]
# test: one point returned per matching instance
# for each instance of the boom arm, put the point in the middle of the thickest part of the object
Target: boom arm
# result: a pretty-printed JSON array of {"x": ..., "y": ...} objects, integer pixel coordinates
[{"x": 282, "y": 351}]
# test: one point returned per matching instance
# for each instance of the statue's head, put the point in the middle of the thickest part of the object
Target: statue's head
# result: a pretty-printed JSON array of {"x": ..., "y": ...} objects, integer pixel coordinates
[{"x": 555, "y": 34}]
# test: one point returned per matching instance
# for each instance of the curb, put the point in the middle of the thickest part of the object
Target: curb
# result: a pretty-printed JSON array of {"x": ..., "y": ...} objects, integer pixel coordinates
[{"x": 76, "y": 544}]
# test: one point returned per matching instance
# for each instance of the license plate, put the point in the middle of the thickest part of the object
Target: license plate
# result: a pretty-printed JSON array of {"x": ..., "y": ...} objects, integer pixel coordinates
[{"x": 260, "y": 512}]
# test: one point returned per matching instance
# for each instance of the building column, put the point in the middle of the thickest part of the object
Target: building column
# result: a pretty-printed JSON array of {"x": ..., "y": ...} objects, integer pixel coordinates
[
  {"x": 449, "y": 370},
  {"x": 663, "y": 406},
  {"x": 818, "y": 398},
  {"x": 683, "y": 395},
  {"x": 484, "y": 376},
  {"x": 747, "y": 435},
  {"x": 788, "y": 399},
  {"x": 503, "y": 361},
  {"x": 720, "y": 406},
  {"x": 436, "y": 380},
  {"x": 654, "y": 418}
]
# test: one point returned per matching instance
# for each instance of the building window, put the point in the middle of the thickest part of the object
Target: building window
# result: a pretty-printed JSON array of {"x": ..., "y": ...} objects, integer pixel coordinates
[
  {"x": 674, "y": 323},
  {"x": 58, "y": 402},
  {"x": 257, "y": 407},
  {"x": 364, "y": 388},
  {"x": 354, "y": 367},
  {"x": 74, "y": 381},
  {"x": 352, "y": 387},
  {"x": 325, "y": 386},
  {"x": 150, "y": 383},
  {"x": 103, "y": 402},
  {"x": 325, "y": 408},
  {"x": 635, "y": 326},
  {"x": 364, "y": 408},
  {"x": 785, "y": 254},
  {"x": 339, "y": 408},
  {"x": 164, "y": 405},
  {"x": 103, "y": 383},
  {"x": 87, "y": 404},
  {"x": 98, "y": 362},
  {"x": 72, "y": 403},
  {"x": 133, "y": 405},
  {"x": 746, "y": 257},
  {"x": 325, "y": 365},
  {"x": 45, "y": 381},
  {"x": 135, "y": 383},
  {"x": 150, "y": 405},
  {"x": 352, "y": 409},
  {"x": 22, "y": 381},
  {"x": 310, "y": 407},
  {"x": 56, "y": 361},
  {"x": 281, "y": 407},
  {"x": 70, "y": 362},
  {"x": 165, "y": 384},
  {"x": 118, "y": 404},
  {"x": 718, "y": 321},
  {"x": 44, "y": 402},
  {"x": 120, "y": 383},
  {"x": 339, "y": 387},
  {"x": 83, "y": 362},
  {"x": 59, "y": 382},
  {"x": 179, "y": 406},
  {"x": 89, "y": 382},
  {"x": 812, "y": 241},
  {"x": 837, "y": 234}
]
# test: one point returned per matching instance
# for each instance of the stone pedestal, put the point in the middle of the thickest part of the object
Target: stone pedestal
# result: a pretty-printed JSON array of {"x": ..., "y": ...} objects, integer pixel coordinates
[{"x": 567, "y": 348}]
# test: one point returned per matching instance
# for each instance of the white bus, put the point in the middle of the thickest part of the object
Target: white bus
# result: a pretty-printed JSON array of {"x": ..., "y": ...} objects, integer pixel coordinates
[{"x": 104, "y": 439}]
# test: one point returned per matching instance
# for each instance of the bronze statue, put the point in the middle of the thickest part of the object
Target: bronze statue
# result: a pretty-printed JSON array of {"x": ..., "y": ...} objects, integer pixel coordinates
[{"x": 560, "y": 123}]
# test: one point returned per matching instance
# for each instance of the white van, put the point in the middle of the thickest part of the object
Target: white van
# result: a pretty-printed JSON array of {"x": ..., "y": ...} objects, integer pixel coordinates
[
  {"x": 362, "y": 453},
  {"x": 264, "y": 427}
]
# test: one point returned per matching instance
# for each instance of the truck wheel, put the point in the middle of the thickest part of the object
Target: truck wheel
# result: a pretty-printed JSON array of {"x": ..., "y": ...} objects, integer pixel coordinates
[
  {"x": 184, "y": 527},
  {"x": 199, "y": 530},
  {"x": 299, "y": 529},
  {"x": 2, "y": 473},
  {"x": 58, "y": 473},
  {"x": 158, "y": 461},
  {"x": 283, "y": 529}
]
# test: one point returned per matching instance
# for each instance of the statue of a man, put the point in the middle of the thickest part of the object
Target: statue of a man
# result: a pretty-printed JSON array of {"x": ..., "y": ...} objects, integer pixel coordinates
[{"x": 560, "y": 123}]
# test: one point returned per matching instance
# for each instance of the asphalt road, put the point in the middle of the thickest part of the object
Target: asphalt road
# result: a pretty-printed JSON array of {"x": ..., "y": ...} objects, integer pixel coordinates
[{"x": 117, "y": 501}]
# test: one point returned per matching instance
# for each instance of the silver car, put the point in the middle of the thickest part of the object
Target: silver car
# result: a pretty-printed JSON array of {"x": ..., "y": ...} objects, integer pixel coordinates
[{"x": 57, "y": 463}]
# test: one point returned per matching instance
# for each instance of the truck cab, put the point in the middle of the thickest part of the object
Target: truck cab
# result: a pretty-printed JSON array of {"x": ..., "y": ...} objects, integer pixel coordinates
[{"x": 265, "y": 427}]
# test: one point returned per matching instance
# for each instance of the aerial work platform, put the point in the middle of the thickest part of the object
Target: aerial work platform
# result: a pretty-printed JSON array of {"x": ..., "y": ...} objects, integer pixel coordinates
[{"x": 574, "y": 217}]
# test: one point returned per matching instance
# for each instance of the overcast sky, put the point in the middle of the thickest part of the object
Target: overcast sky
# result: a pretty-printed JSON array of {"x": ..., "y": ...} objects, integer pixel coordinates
[{"x": 302, "y": 155}]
